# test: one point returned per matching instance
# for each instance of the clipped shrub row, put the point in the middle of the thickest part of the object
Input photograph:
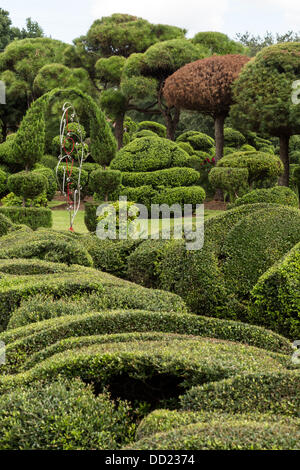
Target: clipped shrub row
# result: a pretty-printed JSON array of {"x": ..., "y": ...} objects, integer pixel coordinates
[
  {"x": 62, "y": 415},
  {"x": 240, "y": 434},
  {"x": 32, "y": 216},
  {"x": 184, "y": 362},
  {"x": 265, "y": 392},
  {"x": 276, "y": 296},
  {"x": 23, "y": 342},
  {"x": 45, "y": 245},
  {"x": 277, "y": 195},
  {"x": 168, "y": 177}
]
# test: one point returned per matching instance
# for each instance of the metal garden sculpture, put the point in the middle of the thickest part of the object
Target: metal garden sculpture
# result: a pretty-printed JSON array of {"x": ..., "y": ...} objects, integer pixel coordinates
[{"x": 73, "y": 152}]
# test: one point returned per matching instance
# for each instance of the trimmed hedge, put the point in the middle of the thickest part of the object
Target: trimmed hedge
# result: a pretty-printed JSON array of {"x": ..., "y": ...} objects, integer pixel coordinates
[
  {"x": 15, "y": 289},
  {"x": 277, "y": 195},
  {"x": 25, "y": 341},
  {"x": 255, "y": 244},
  {"x": 31, "y": 266},
  {"x": 233, "y": 138},
  {"x": 34, "y": 217},
  {"x": 110, "y": 255},
  {"x": 46, "y": 245},
  {"x": 143, "y": 263},
  {"x": 181, "y": 195},
  {"x": 63, "y": 415},
  {"x": 197, "y": 140},
  {"x": 231, "y": 180},
  {"x": 260, "y": 165},
  {"x": 5, "y": 225},
  {"x": 240, "y": 434},
  {"x": 42, "y": 307},
  {"x": 90, "y": 217},
  {"x": 213, "y": 281},
  {"x": 186, "y": 362},
  {"x": 275, "y": 392},
  {"x": 159, "y": 129},
  {"x": 164, "y": 420},
  {"x": 276, "y": 296},
  {"x": 149, "y": 154},
  {"x": 86, "y": 341},
  {"x": 27, "y": 184},
  {"x": 168, "y": 177},
  {"x": 51, "y": 180}
]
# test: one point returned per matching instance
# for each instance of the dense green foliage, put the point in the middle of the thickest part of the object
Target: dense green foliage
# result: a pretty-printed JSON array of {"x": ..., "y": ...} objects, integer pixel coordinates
[
  {"x": 230, "y": 180},
  {"x": 70, "y": 417},
  {"x": 276, "y": 195},
  {"x": 276, "y": 296},
  {"x": 33, "y": 217}
]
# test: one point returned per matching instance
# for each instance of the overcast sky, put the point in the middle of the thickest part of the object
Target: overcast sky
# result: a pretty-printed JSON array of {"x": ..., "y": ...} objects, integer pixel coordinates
[{"x": 67, "y": 20}]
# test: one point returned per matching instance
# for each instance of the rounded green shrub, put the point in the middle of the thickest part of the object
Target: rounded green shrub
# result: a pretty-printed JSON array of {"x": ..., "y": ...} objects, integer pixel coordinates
[
  {"x": 49, "y": 161},
  {"x": 181, "y": 195},
  {"x": 265, "y": 392},
  {"x": 5, "y": 225},
  {"x": 155, "y": 127},
  {"x": 241, "y": 434},
  {"x": 149, "y": 154},
  {"x": 27, "y": 184},
  {"x": 63, "y": 415},
  {"x": 277, "y": 195},
  {"x": 144, "y": 261},
  {"x": 143, "y": 133},
  {"x": 276, "y": 296},
  {"x": 259, "y": 165},
  {"x": 233, "y": 138},
  {"x": 33, "y": 217},
  {"x": 197, "y": 140},
  {"x": 105, "y": 182},
  {"x": 171, "y": 177},
  {"x": 255, "y": 244},
  {"x": 110, "y": 255},
  {"x": 186, "y": 146},
  {"x": 46, "y": 245},
  {"x": 230, "y": 180},
  {"x": 142, "y": 194},
  {"x": 51, "y": 180}
]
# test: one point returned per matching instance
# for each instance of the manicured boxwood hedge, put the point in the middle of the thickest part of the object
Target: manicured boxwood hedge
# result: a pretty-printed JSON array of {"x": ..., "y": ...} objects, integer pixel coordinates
[
  {"x": 277, "y": 195},
  {"x": 24, "y": 341},
  {"x": 90, "y": 217},
  {"x": 276, "y": 296},
  {"x": 171, "y": 177},
  {"x": 31, "y": 266},
  {"x": 181, "y": 195},
  {"x": 149, "y": 154},
  {"x": 163, "y": 420},
  {"x": 217, "y": 280},
  {"x": 110, "y": 255},
  {"x": 186, "y": 362},
  {"x": 197, "y": 140},
  {"x": 241, "y": 434},
  {"x": 42, "y": 307},
  {"x": 265, "y": 392},
  {"x": 46, "y": 245},
  {"x": 143, "y": 262},
  {"x": 256, "y": 243},
  {"x": 34, "y": 217},
  {"x": 63, "y": 415},
  {"x": 5, "y": 225}
]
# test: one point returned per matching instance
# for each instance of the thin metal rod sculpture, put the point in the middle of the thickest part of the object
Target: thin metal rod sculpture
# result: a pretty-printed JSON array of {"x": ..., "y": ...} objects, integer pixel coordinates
[{"x": 73, "y": 157}]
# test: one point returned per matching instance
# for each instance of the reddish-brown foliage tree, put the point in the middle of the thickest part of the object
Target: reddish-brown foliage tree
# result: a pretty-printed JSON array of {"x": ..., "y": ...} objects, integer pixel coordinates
[{"x": 205, "y": 86}]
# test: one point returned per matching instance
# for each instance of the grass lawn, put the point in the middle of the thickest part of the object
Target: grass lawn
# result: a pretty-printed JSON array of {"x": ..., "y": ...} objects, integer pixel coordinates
[{"x": 61, "y": 220}]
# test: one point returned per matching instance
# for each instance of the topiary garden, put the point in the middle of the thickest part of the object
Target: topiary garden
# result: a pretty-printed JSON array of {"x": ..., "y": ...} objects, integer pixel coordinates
[{"x": 140, "y": 343}]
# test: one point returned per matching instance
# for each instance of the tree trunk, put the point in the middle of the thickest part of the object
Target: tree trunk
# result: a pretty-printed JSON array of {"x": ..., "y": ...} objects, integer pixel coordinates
[
  {"x": 219, "y": 135},
  {"x": 119, "y": 130},
  {"x": 171, "y": 122},
  {"x": 284, "y": 156}
]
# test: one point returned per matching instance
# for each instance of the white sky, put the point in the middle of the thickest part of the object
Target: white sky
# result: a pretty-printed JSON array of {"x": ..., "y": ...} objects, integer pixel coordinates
[{"x": 70, "y": 19}]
